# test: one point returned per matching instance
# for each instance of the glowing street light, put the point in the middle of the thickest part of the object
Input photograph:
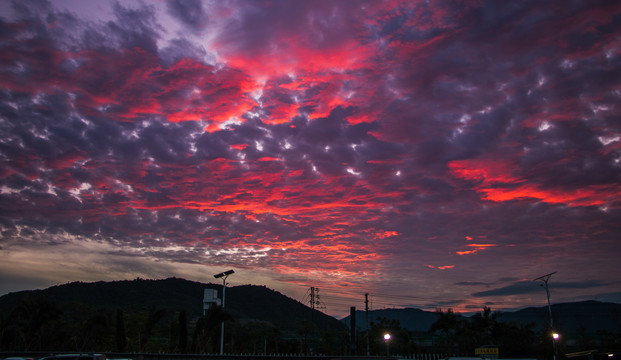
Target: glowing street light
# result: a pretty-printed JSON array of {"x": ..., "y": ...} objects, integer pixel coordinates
[
  {"x": 545, "y": 279},
  {"x": 223, "y": 276},
  {"x": 387, "y": 340},
  {"x": 555, "y": 336}
]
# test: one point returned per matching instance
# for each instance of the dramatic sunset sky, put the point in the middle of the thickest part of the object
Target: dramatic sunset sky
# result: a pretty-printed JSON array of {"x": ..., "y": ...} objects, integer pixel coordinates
[{"x": 429, "y": 153}]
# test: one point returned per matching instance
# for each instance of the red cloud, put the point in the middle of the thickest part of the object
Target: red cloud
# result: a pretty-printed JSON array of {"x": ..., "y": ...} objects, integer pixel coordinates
[
  {"x": 386, "y": 234},
  {"x": 445, "y": 267},
  {"x": 496, "y": 181},
  {"x": 468, "y": 252},
  {"x": 131, "y": 84}
]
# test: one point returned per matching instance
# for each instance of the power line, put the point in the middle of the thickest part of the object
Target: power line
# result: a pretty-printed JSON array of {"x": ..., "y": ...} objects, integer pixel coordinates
[{"x": 338, "y": 301}]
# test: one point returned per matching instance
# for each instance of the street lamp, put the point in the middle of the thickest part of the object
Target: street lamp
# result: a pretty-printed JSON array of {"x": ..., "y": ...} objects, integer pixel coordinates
[
  {"x": 223, "y": 276},
  {"x": 545, "y": 279},
  {"x": 387, "y": 340}
]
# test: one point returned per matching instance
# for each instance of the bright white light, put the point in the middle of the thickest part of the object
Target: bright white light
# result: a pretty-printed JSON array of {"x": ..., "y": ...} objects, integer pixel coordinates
[
  {"x": 232, "y": 121},
  {"x": 353, "y": 172},
  {"x": 544, "y": 126},
  {"x": 256, "y": 95},
  {"x": 555, "y": 336},
  {"x": 605, "y": 140},
  {"x": 598, "y": 108},
  {"x": 387, "y": 337}
]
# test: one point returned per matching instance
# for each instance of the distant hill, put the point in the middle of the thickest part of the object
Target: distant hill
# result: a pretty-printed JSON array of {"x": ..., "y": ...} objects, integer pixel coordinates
[
  {"x": 409, "y": 318},
  {"x": 245, "y": 303},
  {"x": 586, "y": 316},
  {"x": 250, "y": 302},
  {"x": 571, "y": 318}
]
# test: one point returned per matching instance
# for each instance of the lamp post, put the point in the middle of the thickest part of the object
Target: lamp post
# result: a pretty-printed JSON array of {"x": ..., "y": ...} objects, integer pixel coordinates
[
  {"x": 387, "y": 340},
  {"x": 555, "y": 336},
  {"x": 223, "y": 276}
]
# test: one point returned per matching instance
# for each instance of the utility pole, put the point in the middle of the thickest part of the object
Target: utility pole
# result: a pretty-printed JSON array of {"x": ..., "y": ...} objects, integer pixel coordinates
[
  {"x": 545, "y": 279},
  {"x": 352, "y": 331},
  {"x": 366, "y": 310}
]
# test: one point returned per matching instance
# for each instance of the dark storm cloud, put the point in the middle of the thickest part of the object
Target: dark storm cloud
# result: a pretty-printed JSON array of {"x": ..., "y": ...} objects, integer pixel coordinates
[
  {"x": 133, "y": 28},
  {"x": 179, "y": 49},
  {"x": 528, "y": 287},
  {"x": 257, "y": 28},
  {"x": 524, "y": 287},
  {"x": 190, "y": 12}
]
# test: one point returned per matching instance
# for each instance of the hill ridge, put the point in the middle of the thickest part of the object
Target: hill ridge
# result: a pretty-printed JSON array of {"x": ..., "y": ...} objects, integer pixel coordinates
[
  {"x": 588, "y": 316},
  {"x": 245, "y": 302}
]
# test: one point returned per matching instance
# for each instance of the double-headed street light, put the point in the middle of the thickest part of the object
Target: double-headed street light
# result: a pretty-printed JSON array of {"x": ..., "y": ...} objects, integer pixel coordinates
[{"x": 223, "y": 276}]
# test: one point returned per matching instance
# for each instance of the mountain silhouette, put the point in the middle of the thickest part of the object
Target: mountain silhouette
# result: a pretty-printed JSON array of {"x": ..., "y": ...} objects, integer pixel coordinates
[
  {"x": 587, "y": 317},
  {"x": 244, "y": 303},
  {"x": 259, "y": 303}
]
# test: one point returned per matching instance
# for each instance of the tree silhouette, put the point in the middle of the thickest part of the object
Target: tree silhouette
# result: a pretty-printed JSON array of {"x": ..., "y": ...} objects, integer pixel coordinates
[
  {"x": 483, "y": 323},
  {"x": 94, "y": 331},
  {"x": 29, "y": 320},
  {"x": 121, "y": 338},
  {"x": 206, "y": 330},
  {"x": 154, "y": 316},
  {"x": 515, "y": 340},
  {"x": 447, "y": 326},
  {"x": 304, "y": 328},
  {"x": 183, "y": 331}
]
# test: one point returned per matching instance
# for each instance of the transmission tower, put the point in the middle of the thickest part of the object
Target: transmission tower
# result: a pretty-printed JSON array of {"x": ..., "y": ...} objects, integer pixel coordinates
[{"x": 315, "y": 299}]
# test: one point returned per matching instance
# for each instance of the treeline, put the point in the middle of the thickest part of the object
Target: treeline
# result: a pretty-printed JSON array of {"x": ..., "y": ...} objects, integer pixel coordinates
[
  {"x": 38, "y": 324},
  {"x": 455, "y": 335}
]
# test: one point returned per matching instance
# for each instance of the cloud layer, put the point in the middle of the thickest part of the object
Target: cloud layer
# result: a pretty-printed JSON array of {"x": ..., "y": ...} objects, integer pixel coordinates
[{"x": 453, "y": 149}]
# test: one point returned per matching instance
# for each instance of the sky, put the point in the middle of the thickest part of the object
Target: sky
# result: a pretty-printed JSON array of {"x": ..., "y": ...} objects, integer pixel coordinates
[{"x": 432, "y": 154}]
